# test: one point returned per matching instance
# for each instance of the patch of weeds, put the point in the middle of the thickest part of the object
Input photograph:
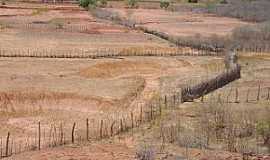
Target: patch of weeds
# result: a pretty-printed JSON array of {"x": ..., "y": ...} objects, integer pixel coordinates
[
  {"x": 3, "y": 26},
  {"x": 145, "y": 152},
  {"x": 58, "y": 23},
  {"x": 39, "y": 11}
]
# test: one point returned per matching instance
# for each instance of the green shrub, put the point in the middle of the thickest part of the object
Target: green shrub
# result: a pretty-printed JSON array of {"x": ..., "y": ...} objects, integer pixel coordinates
[
  {"x": 223, "y": 2},
  {"x": 84, "y": 3},
  {"x": 164, "y": 4},
  {"x": 88, "y": 3},
  {"x": 132, "y": 3},
  {"x": 263, "y": 129},
  {"x": 192, "y": 1}
]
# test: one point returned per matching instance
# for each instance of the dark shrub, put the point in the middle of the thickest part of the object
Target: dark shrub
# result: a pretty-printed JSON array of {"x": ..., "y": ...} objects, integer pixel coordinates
[
  {"x": 88, "y": 3},
  {"x": 164, "y": 4},
  {"x": 192, "y": 1}
]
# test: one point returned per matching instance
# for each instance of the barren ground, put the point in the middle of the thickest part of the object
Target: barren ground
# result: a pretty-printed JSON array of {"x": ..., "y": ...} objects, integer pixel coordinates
[
  {"x": 182, "y": 23},
  {"x": 71, "y": 90},
  {"x": 54, "y": 31}
]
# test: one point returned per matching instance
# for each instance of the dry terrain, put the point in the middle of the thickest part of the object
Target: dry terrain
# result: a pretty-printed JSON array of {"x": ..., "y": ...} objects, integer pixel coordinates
[
  {"x": 60, "y": 91},
  {"x": 182, "y": 23},
  {"x": 48, "y": 30}
]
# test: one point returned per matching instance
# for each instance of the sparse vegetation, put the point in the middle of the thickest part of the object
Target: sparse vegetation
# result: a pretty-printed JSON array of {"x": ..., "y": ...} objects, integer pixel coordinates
[
  {"x": 102, "y": 3},
  {"x": 145, "y": 152},
  {"x": 255, "y": 37},
  {"x": 255, "y": 11},
  {"x": 132, "y": 3},
  {"x": 158, "y": 77},
  {"x": 263, "y": 129},
  {"x": 88, "y": 4}
]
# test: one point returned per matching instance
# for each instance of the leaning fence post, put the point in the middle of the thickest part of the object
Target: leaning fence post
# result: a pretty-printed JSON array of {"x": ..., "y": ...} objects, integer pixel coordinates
[
  {"x": 112, "y": 128},
  {"x": 7, "y": 144},
  {"x": 72, "y": 134}
]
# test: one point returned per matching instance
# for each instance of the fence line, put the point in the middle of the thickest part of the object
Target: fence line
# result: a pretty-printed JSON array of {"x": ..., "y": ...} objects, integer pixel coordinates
[
  {"x": 190, "y": 93},
  {"x": 105, "y": 52},
  {"x": 58, "y": 134}
]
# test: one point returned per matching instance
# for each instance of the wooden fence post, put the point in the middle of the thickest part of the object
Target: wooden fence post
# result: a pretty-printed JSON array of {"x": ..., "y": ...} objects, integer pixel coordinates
[
  {"x": 7, "y": 144},
  {"x": 132, "y": 123},
  {"x": 1, "y": 154},
  {"x": 165, "y": 101},
  {"x": 61, "y": 134},
  {"x": 39, "y": 135},
  {"x": 121, "y": 125},
  {"x": 236, "y": 96},
  {"x": 141, "y": 112},
  {"x": 228, "y": 96},
  {"x": 87, "y": 129},
  {"x": 112, "y": 128},
  {"x": 259, "y": 92},
  {"x": 247, "y": 100},
  {"x": 72, "y": 134},
  {"x": 151, "y": 112},
  {"x": 202, "y": 98},
  {"x": 160, "y": 109},
  {"x": 268, "y": 93},
  {"x": 174, "y": 100},
  {"x": 101, "y": 127}
]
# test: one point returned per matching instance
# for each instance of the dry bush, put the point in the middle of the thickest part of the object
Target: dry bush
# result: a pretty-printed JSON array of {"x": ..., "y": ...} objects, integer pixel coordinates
[
  {"x": 212, "y": 43},
  {"x": 145, "y": 152},
  {"x": 233, "y": 127},
  {"x": 263, "y": 128},
  {"x": 254, "y": 38},
  {"x": 255, "y": 10},
  {"x": 112, "y": 16}
]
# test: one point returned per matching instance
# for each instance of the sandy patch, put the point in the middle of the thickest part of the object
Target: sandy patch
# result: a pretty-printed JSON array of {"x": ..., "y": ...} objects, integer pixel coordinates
[{"x": 114, "y": 69}]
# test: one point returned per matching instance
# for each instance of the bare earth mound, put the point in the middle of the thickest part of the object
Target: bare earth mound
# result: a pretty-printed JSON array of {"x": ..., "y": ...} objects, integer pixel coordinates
[{"x": 114, "y": 69}]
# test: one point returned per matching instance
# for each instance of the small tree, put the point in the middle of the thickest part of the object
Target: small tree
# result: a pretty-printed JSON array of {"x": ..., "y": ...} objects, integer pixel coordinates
[{"x": 164, "y": 4}]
